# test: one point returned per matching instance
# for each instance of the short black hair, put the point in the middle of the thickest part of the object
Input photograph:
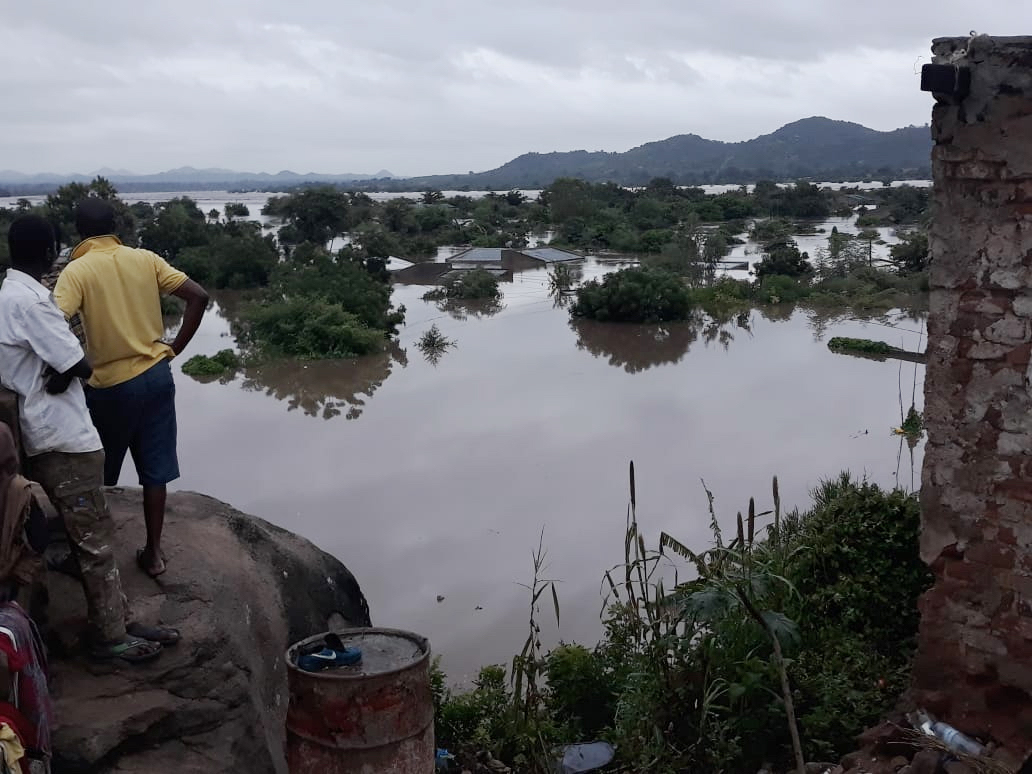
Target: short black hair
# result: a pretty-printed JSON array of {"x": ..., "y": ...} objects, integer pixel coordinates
[
  {"x": 94, "y": 217},
  {"x": 31, "y": 240}
]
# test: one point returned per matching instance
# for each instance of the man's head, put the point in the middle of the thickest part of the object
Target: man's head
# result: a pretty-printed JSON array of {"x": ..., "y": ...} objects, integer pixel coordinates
[
  {"x": 32, "y": 245},
  {"x": 94, "y": 217}
]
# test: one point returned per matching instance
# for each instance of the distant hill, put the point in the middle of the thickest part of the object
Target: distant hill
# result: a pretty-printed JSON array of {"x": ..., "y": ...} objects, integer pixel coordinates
[
  {"x": 810, "y": 148},
  {"x": 815, "y": 148},
  {"x": 180, "y": 179}
]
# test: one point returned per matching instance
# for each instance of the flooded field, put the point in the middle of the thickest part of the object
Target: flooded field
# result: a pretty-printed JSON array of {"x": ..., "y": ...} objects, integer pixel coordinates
[{"x": 433, "y": 483}]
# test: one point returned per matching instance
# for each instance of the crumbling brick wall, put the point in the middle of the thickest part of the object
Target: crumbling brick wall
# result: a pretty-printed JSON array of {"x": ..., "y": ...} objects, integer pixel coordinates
[{"x": 974, "y": 661}]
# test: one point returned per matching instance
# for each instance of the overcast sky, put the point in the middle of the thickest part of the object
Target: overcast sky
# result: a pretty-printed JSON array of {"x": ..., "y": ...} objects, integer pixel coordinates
[{"x": 428, "y": 86}]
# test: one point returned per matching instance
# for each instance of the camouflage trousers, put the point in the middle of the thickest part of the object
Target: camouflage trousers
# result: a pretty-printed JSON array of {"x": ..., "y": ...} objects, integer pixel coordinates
[{"x": 73, "y": 484}]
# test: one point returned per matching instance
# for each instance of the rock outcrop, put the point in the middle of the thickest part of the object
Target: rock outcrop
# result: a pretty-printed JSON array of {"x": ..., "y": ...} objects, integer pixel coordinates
[{"x": 240, "y": 590}]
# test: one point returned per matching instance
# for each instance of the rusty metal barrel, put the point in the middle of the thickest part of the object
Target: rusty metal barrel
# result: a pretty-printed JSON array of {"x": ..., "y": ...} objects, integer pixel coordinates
[{"x": 376, "y": 717}]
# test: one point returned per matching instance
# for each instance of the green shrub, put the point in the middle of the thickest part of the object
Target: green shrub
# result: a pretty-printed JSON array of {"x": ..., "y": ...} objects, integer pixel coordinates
[
  {"x": 780, "y": 289},
  {"x": 858, "y": 575},
  {"x": 686, "y": 679},
  {"x": 771, "y": 229},
  {"x": 224, "y": 361},
  {"x": 725, "y": 291},
  {"x": 782, "y": 258},
  {"x": 846, "y": 344},
  {"x": 310, "y": 328},
  {"x": 911, "y": 255},
  {"x": 474, "y": 720},
  {"x": 634, "y": 295},
  {"x": 579, "y": 690},
  {"x": 476, "y": 284},
  {"x": 237, "y": 259},
  {"x": 311, "y": 273}
]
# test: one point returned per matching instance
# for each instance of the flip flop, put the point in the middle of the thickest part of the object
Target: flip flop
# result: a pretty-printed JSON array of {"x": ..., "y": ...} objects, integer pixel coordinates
[
  {"x": 143, "y": 565},
  {"x": 132, "y": 650},
  {"x": 163, "y": 635}
]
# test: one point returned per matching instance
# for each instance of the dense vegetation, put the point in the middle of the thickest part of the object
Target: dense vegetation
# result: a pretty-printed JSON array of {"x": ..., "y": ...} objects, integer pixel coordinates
[
  {"x": 320, "y": 287},
  {"x": 669, "y": 286},
  {"x": 305, "y": 301},
  {"x": 689, "y": 675}
]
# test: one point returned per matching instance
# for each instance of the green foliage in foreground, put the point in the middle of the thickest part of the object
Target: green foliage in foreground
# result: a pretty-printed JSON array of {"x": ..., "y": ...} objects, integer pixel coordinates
[
  {"x": 634, "y": 295},
  {"x": 222, "y": 362},
  {"x": 686, "y": 677},
  {"x": 477, "y": 284},
  {"x": 844, "y": 343}
]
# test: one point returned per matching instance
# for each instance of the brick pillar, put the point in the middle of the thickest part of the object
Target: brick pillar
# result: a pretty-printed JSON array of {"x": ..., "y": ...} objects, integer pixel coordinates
[{"x": 974, "y": 662}]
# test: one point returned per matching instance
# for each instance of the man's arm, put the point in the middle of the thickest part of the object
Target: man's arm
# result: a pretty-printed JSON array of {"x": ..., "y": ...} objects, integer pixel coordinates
[
  {"x": 46, "y": 332},
  {"x": 56, "y": 383},
  {"x": 196, "y": 299}
]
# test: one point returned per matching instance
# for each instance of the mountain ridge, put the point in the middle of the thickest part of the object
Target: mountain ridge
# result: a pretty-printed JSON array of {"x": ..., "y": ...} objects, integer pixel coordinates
[
  {"x": 183, "y": 174},
  {"x": 810, "y": 148},
  {"x": 807, "y": 148}
]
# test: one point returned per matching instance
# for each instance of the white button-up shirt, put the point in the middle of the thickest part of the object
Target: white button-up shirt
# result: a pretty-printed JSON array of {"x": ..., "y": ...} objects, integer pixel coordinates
[{"x": 33, "y": 335}]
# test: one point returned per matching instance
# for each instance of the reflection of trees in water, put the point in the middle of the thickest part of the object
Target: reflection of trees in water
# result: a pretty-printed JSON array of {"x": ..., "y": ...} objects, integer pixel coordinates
[
  {"x": 912, "y": 319},
  {"x": 911, "y": 442},
  {"x": 640, "y": 347},
  {"x": 231, "y": 304},
  {"x": 463, "y": 309},
  {"x": 326, "y": 388}
]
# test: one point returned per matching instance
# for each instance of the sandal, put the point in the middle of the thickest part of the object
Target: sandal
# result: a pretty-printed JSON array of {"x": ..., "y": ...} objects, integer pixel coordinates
[
  {"x": 163, "y": 635},
  {"x": 132, "y": 650},
  {"x": 149, "y": 571}
]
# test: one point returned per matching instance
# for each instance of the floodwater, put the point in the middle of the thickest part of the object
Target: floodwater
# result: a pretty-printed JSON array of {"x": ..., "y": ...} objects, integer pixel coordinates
[{"x": 434, "y": 483}]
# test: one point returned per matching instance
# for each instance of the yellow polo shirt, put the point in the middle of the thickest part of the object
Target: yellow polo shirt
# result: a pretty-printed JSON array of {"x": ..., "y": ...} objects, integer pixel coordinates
[{"x": 117, "y": 290}]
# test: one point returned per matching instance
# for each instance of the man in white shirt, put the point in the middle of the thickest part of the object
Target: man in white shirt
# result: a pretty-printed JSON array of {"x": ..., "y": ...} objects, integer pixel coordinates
[{"x": 42, "y": 361}]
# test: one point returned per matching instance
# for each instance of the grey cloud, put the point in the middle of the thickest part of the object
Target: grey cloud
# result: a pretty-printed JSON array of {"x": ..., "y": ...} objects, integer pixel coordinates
[{"x": 449, "y": 85}]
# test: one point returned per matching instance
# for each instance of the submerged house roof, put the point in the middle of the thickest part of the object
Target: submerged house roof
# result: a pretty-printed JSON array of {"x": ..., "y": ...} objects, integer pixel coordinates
[
  {"x": 550, "y": 254},
  {"x": 500, "y": 274},
  {"x": 479, "y": 255},
  {"x": 498, "y": 255}
]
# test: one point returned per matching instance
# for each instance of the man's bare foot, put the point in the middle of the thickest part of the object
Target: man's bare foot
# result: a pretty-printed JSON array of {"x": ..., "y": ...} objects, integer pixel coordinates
[{"x": 150, "y": 564}]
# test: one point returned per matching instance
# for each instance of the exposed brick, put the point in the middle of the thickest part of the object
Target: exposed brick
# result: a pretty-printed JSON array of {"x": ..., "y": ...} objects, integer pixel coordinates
[
  {"x": 973, "y": 666},
  {"x": 992, "y": 554}
]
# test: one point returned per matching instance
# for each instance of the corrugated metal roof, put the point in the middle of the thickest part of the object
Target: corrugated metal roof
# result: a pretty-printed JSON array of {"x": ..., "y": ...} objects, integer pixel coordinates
[
  {"x": 551, "y": 254},
  {"x": 457, "y": 273},
  {"x": 479, "y": 255}
]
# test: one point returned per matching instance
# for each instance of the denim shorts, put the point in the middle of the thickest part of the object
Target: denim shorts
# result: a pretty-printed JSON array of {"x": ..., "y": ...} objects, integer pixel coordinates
[{"x": 139, "y": 417}]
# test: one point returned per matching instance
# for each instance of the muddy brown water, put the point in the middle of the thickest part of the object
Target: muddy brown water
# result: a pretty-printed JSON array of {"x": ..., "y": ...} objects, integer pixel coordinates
[{"x": 435, "y": 482}]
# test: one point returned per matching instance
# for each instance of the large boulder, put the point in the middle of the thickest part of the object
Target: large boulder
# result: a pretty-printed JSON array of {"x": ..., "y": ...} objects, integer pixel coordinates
[{"x": 240, "y": 590}]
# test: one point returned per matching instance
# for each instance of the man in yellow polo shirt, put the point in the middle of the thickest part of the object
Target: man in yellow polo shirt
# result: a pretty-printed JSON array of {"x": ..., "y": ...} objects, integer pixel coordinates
[{"x": 131, "y": 396}]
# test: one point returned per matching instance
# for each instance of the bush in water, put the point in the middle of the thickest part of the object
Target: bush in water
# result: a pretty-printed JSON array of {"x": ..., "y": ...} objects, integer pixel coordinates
[{"x": 634, "y": 295}]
